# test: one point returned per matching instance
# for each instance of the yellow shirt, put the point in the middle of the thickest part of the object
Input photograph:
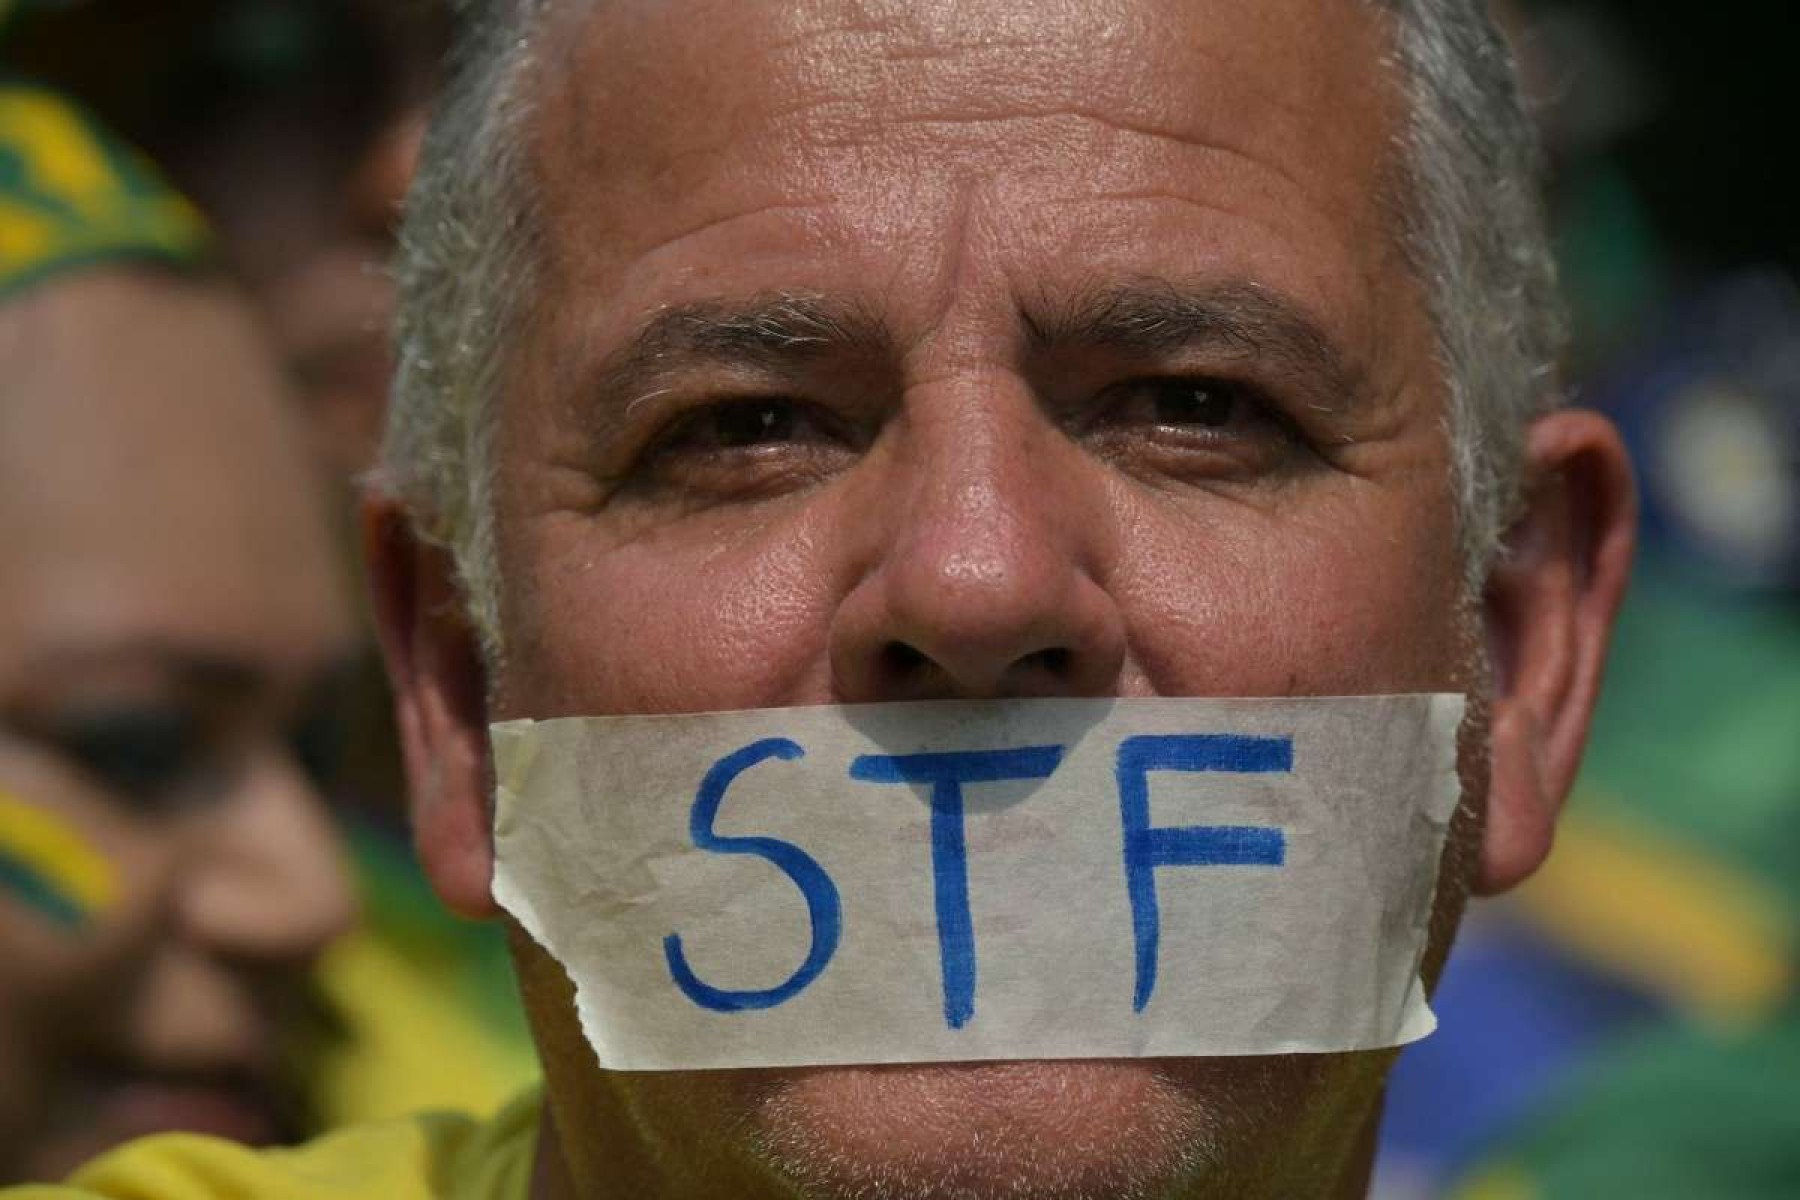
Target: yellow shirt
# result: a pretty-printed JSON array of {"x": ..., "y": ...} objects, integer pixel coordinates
[{"x": 433, "y": 1156}]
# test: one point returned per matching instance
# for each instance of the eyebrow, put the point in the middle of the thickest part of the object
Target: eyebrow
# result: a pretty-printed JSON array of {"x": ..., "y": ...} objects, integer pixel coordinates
[
  {"x": 773, "y": 331},
  {"x": 1240, "y": 320},
  {"x": 194, "y": 669},
  {"x": 1141, "y": 320}
]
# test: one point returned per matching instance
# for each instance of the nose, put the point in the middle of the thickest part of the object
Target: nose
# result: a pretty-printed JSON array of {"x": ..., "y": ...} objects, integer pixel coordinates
[
  {"x": 986, "y": 579},
  {"x": 268, "y": 883}
]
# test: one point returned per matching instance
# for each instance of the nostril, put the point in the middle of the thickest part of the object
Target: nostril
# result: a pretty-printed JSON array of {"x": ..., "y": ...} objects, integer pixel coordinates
[{"x": 901, "y": 660}]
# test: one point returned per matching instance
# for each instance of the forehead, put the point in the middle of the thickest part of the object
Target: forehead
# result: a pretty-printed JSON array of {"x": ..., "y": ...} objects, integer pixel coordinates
[
  {"x": 152, "y": 482},
  {"x": 738, "y": 67},
  {"x": 917, "y": 147}
]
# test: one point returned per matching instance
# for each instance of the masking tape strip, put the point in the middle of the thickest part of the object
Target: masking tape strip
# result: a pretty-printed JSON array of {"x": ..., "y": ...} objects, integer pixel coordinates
[{"x": 966, "y": 880}]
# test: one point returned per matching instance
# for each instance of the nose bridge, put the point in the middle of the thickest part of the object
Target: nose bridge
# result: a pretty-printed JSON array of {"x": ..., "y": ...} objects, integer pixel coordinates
[
  {"x": 985, "y": 584},
  {"x": 981, "y": 525},
  {"x": 267, "y": 879}
]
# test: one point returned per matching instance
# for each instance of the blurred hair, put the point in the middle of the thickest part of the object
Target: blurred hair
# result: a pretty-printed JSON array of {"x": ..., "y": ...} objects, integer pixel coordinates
[{"x": 1469, "y": 218}]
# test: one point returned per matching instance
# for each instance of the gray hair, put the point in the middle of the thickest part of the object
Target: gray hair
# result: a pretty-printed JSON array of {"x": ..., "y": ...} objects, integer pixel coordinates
[
  {"x": 1470, "y": 216},
  {"x": 465, "y": 259}
]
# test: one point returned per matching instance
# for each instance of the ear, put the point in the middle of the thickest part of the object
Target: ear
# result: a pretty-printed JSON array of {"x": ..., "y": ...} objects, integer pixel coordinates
[
  {"x": 1549, "y": 610},
  {"x": 440, "y": 704}
]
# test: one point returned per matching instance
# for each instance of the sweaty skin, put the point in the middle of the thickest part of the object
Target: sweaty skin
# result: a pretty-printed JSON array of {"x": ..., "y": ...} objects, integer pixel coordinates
[{"x": 892, "y": 351}]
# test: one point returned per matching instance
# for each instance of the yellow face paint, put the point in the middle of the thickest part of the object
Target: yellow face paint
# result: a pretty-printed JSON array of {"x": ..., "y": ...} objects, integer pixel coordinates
[{"x": 51, "y": 867}]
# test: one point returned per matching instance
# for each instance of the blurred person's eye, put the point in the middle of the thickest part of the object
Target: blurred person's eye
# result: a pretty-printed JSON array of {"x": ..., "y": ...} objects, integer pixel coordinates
[
  {"x": 317, "y": 740},
  {"x": 152, "y": 754}
]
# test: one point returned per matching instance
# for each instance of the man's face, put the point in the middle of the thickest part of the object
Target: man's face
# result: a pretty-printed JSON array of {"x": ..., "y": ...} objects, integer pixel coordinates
[{"x": 917, "y": 350}]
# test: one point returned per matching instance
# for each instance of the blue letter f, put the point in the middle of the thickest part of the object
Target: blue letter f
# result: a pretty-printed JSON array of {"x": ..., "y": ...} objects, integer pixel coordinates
[{"x": 1147, "y": 847}]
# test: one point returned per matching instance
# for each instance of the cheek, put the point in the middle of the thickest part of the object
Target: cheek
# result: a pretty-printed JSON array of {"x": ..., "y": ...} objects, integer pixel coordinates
[
  {"x": 71, "y": 965},
  {"x": 63, "y": 885},
  {"x": 1361, "y": 596},
  {"x": 685, "y": 620}
]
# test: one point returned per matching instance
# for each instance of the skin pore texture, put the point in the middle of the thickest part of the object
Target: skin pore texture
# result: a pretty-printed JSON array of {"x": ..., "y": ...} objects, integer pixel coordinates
[
  {"x": 171, "y": 616},
  {"x": 891, "y": 351}
]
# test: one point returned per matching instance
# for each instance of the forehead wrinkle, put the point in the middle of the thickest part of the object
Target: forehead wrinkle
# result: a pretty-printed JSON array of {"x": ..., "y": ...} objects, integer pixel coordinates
[
  {"x": 981, "y": 82},
  {"x": 847, "y": 70},
  {"x": 841, "y": 65},
  {"x": 762, "y": 212},
  {"x": 1022, "y": 67},
  {"x": 1205, "y": 142}
]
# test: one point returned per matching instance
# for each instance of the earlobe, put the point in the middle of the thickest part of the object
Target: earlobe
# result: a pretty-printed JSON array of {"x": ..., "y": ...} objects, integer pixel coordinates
[
  {"x": 440, "y": 704},
  {"x": 1549, "y": 608}
]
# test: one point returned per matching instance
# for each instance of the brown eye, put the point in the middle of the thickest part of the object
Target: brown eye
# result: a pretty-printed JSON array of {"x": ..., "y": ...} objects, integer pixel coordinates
[
  {"x": 1204, "y": 402},
  {"x": 1192, "y": 427},
  {"x": 750, "y": 423},
  {"x": 742, "y": 448},
  {"x": 1177, "y": 402}
]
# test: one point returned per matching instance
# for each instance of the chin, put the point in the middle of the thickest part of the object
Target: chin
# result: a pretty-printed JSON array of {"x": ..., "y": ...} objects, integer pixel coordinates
[{"x": 1112, "y": 1129}]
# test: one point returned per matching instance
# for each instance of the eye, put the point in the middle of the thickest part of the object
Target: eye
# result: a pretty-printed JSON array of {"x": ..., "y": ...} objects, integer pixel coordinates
[
  {"x": 743, "y": 449},
  {"x": 742, "y": 423},
  {"x": 1192, "y": 427},
  {"x": 1178, "y": 402},
  {"x": 317, "y": 741},
  {"x": 145, "y": 753},
  {"x": 1194, "y": 402}
]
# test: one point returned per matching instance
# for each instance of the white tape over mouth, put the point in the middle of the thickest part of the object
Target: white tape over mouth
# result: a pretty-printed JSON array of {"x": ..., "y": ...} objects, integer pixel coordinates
[{"x": 964, "y": 880}]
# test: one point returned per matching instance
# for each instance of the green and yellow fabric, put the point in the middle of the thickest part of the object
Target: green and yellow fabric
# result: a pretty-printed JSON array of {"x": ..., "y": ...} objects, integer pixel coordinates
[
  {"x": 428, "y": 1011},
  {"x": 1675, "y": 1114},
  {"x": 1678, "y": 865},
  {"x": 1678, "y": 871},
  {"x": 72, "y": 195}
]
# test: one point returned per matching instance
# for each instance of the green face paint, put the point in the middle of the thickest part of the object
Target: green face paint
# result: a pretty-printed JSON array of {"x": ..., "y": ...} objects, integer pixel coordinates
[{"x": 51, "y": 868}]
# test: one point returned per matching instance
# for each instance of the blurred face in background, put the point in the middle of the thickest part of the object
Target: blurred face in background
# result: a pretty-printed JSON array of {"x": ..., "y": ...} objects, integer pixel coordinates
[
  {"x": 300, "y": 148},
  {"x": 170, "y": 634},
  {"x": 293, "y": 124}
]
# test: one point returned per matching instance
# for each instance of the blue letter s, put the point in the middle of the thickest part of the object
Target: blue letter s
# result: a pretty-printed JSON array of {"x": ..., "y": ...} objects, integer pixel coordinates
[{"x": 822, "y": 904}]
